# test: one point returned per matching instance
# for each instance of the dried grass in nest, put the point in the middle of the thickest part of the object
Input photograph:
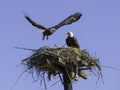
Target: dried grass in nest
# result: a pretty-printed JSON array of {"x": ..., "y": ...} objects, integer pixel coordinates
[{"x": 53, "y": 60}]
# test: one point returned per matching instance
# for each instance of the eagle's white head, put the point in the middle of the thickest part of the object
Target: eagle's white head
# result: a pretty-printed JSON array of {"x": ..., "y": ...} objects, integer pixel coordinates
[
  {"x": 52, "y": 30},
  {"x": 70, "y": 34}
]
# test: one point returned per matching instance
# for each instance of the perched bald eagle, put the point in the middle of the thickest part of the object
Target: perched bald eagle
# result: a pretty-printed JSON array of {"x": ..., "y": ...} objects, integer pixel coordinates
[
  {"x": 48, "y": 31},
  {"x": 71, "y": 41}
]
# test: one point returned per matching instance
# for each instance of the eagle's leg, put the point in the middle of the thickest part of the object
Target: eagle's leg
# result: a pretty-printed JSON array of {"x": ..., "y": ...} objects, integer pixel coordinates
[
  {"x": 43, "y": 37},
  {"x": 47, "y": 37}
]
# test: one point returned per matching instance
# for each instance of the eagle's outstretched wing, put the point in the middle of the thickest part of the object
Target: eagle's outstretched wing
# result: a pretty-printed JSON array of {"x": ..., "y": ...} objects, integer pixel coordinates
[
  {"x": 72, "y": 18},
  {"x": 35, "y": 24},
  {"x": 49, "y": 31}
]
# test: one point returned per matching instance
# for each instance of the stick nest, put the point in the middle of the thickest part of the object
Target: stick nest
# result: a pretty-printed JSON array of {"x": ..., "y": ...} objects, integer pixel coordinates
[{"x": 54, "y": 60}]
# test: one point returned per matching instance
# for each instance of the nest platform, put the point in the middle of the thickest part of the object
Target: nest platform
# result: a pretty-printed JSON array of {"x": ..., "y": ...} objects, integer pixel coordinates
[{"x": 54, "y": 60}]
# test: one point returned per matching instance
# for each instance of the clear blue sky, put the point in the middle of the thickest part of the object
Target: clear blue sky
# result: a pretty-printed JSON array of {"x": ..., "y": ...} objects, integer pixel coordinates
[{"x": 98, "y": 31}]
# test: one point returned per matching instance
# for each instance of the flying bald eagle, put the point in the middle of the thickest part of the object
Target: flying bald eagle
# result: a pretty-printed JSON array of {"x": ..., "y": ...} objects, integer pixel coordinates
[
  {"x": 71, "y": 41},
  {"x": 48, "y": 31}
]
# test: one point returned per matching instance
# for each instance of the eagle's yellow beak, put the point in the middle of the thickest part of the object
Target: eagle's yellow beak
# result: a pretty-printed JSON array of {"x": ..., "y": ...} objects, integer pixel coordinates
[{"x": 67, "y": 33}]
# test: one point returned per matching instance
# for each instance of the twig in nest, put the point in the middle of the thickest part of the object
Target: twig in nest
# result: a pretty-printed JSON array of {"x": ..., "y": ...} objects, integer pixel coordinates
[
  {"x": 18, "y": 79},
  {"x": 26, "y": 49},
  {"x": 111, "y": 67}
]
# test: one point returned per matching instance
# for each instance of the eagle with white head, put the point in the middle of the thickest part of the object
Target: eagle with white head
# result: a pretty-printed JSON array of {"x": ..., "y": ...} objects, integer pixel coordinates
[
  {"x": 49, "y": 31},
  {"x": 71, "y": 41}
]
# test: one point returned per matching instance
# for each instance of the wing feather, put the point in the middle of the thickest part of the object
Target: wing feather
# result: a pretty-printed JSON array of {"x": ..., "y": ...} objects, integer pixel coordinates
[
  {"x": 35, "y": 24},
  {"x": 72, "y": 18}
]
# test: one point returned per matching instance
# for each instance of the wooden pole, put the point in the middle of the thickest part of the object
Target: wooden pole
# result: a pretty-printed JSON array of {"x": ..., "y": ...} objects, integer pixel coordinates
[{"x": 67, "y": 82}]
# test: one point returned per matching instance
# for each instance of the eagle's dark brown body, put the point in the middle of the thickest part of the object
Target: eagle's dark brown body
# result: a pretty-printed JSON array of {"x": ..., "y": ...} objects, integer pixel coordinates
[{"x": 72, "y": 42}]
